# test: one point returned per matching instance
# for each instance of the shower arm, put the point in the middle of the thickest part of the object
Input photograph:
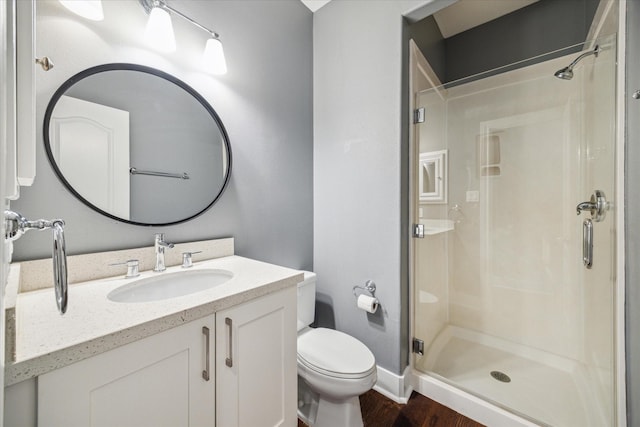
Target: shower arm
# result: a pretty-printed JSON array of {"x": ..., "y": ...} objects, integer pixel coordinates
[{"x": 595, "y": 51}]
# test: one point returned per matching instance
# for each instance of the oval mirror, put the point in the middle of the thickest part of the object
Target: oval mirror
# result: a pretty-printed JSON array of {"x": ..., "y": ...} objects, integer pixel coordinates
[{"x": 137, "y": 144}]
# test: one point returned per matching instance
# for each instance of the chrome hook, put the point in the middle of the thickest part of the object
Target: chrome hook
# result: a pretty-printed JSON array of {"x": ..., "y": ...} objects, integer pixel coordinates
[{"x": 45, "y": 63}]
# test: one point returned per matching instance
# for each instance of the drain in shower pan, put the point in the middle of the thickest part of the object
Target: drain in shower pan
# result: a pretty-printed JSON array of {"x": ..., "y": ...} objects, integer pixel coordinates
[{"x": 501, "y": 376}]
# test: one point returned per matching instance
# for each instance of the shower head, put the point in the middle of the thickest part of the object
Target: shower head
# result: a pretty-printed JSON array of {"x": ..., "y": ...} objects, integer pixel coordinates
[{"x": 567, "y": 72}]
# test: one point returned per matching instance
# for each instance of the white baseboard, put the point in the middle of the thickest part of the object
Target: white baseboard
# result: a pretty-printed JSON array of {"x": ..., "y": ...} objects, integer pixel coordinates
[{"x": 395, "y": 387}]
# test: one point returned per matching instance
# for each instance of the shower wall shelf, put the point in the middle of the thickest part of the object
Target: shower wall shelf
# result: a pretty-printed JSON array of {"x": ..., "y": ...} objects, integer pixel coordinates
[{"x": 436, "y": 226}]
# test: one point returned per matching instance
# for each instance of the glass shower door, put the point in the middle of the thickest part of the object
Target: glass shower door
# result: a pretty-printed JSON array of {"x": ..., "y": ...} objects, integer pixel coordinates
[{"x": 503, "y": 303}]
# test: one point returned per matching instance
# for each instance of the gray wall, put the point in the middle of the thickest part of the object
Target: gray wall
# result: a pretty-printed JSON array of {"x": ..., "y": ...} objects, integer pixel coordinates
[
  {"x": 264, "y": 101},
  {"x": 632, "y": 215},
  {"x": 427, "y": 36},
  {"x": 537, "y": 29},
  {"x": 359, "y": 206}
]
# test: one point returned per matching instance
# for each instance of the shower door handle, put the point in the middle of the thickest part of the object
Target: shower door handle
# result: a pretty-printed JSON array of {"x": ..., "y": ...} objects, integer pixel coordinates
[
  {"x": 587, "y": 243},
  {"x": 597, "y": 206}
]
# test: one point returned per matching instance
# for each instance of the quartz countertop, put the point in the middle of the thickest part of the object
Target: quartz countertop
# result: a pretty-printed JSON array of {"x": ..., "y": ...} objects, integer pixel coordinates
[{"x": 45, "y": 340}]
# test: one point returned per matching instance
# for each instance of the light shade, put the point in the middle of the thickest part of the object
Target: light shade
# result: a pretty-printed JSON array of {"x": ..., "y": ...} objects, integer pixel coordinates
[
  {"x": 159, "y": 31},
  {"x": 213, "y": 58},
  {"x": 90, "y": 9}
]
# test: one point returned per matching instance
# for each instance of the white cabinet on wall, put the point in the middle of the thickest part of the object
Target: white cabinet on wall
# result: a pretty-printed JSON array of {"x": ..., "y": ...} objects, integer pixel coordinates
[
  {"x": 256, "y": 363},
  {"x": 157, "y": 381},
  {"x": 26, "y": 91},
  {"x": 9, "y": 102},
  {"x": 20, "y": 96}
]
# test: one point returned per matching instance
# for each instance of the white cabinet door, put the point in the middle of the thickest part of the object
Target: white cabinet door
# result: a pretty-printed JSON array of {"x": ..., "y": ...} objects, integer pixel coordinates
[
  {"x": 7, "y": 70},
  {"x": 157, "y": 381},
  {"x": 256, "y": 362}
]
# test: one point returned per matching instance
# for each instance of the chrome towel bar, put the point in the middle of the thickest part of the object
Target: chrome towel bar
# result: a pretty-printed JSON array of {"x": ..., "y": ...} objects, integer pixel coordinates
[{"x": 135, "y": 171}]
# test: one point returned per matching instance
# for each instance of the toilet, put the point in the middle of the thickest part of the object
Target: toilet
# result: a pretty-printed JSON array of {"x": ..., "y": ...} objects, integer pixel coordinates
[{"x": 334, "y": 368}]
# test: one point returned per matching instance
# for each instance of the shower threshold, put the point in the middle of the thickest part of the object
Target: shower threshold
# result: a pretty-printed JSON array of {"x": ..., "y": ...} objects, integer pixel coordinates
[{"x": 537, "y": 385}]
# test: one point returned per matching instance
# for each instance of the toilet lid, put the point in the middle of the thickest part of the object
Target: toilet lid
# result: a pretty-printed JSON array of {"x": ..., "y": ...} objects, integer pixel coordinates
[{"x": 335, "y": 353}]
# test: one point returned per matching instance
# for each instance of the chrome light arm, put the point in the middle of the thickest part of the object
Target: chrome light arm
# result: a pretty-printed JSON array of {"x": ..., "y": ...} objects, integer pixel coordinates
[
  {"x": 150, "y": 4},
  {"x": 16, "y": 225}
]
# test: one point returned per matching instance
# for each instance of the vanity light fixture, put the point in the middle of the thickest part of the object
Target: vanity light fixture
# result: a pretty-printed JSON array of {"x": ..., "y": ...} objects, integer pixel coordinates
[
  {"x": 161, "y": 34},
  {"x": 213, "y": 57},
  {"x": 90, "y": 9},
  {"x": 159, "y": 31}
]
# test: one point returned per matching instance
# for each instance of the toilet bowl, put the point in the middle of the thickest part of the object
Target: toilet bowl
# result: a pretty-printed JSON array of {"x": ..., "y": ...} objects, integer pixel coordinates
[{"x": 334, "y": 368}]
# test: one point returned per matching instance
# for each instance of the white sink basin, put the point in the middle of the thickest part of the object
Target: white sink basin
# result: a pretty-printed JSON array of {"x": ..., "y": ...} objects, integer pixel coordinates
[{"x": 169, "y": 285}]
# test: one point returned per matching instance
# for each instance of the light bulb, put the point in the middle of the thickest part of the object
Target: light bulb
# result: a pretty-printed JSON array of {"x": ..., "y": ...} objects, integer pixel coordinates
[
  {"x": 90, "y": 9},
  {"x": 213, "y": 57},
  {"x": 159, "y": 31}
]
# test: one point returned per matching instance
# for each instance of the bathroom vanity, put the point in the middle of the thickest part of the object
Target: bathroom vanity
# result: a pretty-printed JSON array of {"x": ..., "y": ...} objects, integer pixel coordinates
[{"x": 223, "y": 356}]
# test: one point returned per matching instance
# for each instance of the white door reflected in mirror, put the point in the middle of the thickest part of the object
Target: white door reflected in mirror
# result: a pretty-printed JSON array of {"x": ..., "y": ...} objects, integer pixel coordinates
[{"x": 90, "y": 142}]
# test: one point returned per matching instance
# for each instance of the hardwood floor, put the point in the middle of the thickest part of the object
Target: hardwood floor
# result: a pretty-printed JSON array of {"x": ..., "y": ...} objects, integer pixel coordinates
[{"x": 420, "y": 411}]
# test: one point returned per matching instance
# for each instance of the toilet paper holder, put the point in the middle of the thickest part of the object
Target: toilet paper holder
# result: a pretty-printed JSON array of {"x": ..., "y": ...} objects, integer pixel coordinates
[{"x": 369, "y": 286}]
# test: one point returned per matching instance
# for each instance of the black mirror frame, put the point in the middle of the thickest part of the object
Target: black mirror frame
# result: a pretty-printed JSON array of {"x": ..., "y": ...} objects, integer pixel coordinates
[{"x": 144, "y": 69}]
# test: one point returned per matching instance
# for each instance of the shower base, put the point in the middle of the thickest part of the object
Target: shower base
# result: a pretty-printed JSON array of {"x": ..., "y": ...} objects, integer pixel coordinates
[{"x": 532, "y": 383}]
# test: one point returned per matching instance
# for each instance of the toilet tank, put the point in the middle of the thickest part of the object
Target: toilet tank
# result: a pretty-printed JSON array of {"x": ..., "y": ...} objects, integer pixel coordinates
[{"x": 306, "y": 300}]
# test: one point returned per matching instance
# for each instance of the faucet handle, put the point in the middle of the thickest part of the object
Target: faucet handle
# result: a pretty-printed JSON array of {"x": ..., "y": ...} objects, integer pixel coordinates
[
  {"x": 186, "y": 259},
  {"x": 132, "y": 268}
]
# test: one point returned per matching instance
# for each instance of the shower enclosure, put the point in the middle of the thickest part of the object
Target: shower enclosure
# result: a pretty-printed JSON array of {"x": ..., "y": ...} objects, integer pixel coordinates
[{"x": 514, "y": 289}]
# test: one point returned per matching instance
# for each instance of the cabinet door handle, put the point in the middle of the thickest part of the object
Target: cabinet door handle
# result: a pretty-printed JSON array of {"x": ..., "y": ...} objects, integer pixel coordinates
[
  {"x": 229, "y": 360},
  {"x": 207, "y": 337}
]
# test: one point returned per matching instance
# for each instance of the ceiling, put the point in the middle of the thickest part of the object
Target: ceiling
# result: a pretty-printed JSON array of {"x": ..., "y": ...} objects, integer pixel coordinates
[
  {"x": 460, "y": 16},
  {"x": 314, "y": 5},
  {"x": 467, "y": 14}
]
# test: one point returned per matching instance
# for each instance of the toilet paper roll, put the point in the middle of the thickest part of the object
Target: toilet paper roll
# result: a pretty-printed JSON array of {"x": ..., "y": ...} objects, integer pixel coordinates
[{"x": 367, "y": 303}]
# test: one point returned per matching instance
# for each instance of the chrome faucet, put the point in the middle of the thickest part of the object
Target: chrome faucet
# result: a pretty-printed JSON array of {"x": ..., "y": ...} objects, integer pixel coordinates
[{"x": 160, "y": 244}]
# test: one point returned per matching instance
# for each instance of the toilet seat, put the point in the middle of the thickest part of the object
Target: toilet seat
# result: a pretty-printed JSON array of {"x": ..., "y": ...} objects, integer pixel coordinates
[{"x": 334, "y": 354}]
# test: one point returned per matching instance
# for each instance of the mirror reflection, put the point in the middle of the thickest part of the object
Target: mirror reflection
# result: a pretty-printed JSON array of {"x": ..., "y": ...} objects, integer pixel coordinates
[
  {"x": 137, "y": 144},
  {"x": 433, "y": 177},
  {"x": 429, "y": 177}
]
